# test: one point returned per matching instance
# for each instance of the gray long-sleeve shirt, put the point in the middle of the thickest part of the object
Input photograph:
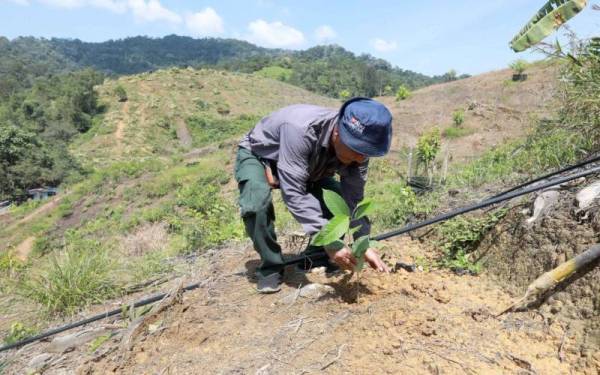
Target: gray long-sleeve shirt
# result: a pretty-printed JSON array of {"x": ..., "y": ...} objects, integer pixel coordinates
[{"x": 297, "y": 138}]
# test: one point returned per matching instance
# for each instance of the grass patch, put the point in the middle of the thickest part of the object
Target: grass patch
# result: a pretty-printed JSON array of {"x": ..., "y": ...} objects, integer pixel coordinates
[
  {"x": 25, "y": 208},
  {"x": 75, "y": 277},
  {"x": 17, "y": 332},
  {"x": 275, "y": 72},
  {"x": 461, "y": 235},
  {"x": 454, "y": 132},
  {"x": 206, "y": 129},
  {"x": 545, "y": 149}
]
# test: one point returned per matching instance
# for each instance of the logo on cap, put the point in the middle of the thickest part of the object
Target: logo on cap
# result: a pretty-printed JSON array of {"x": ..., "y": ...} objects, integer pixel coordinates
[{"x": 356, "y": 125}]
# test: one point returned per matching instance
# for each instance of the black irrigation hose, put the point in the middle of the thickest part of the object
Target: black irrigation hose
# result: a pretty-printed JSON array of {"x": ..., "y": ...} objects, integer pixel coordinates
[
  {"x": 551, "y": 174},
  {"x": 485, "y": 203},
  {"x": 488, "y": 202},
  {"x": 91, "y": 319}
]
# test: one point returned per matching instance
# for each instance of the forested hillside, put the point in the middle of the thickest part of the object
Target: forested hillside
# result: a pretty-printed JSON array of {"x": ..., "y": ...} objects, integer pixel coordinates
[
  {"x": 329, "y": 70},
  {"x": 37, "y": 122}
]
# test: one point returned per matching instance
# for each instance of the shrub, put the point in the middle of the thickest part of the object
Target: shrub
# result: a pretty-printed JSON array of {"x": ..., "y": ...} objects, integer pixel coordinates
[
  {"x": 458, "y": 117},
  {"x": 9, "y": 264},
  {"x": 461, "y": 235},
  {"x": 428, "y": 146},
  {"x": 345, "y": 94},
  {"x": 450, "y": 76},
  {"x": 581, "y": 107},
  {"x": 223, "y": 109},
  {"x": 402, "y": 93},
  {"x": 519, "y": 66},
  {"x": 120, "y": 93},
  {"x": 388, "y": 90}
]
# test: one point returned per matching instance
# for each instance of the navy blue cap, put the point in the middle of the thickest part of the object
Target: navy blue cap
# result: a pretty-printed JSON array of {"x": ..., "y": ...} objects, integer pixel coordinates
[{"x": 365, "y": 126}]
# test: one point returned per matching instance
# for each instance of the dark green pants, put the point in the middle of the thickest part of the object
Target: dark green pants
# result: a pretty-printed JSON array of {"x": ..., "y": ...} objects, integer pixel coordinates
[{"x": 258, "y": 213}]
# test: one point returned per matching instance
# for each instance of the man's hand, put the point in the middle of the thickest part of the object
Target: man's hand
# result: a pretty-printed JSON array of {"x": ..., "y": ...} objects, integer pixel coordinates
[
  {"x": 375, "y": 261},
  {"x": 343, "y": 258},
  {"x": 347, "y": 261}
]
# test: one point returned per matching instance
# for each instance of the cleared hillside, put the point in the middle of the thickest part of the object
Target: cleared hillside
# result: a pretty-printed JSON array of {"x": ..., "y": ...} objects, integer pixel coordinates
[
  {"x": 496, "y": 109},
  {"x": 168, "y": 112}
]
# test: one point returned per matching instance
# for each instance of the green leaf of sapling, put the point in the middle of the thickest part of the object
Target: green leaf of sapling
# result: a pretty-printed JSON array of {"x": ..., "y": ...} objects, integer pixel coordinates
[
  {"x": 335, "y": 245},
  {"x": 364, "y": 208},
  {"x": 360, "y": 246},
  {"x": 335, "y": 203},
  {"x": 332, "y": 231},
  {"x": 354, "y": 230}
]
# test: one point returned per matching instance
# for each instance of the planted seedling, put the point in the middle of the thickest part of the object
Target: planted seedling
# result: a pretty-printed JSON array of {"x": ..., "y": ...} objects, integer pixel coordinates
[{"x": 338, "y": 232}]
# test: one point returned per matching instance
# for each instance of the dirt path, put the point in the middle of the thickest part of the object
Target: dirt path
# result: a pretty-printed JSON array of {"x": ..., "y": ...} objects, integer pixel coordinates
[
  {"x": 24, "y": 249},
  {"x": 119, "y": 133},
  {"x": 185, "y": 139},
  {"x": 417, "y": 323},
  {"x": 42, "y": 210}
]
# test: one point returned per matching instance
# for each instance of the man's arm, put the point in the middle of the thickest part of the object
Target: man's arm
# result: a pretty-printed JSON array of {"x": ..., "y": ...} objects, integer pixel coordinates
[{"x": 295, "y": 146}]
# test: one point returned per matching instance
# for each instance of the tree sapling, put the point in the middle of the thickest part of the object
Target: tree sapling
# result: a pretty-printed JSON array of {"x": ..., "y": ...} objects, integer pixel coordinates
[{"x": 338, "y": 231}]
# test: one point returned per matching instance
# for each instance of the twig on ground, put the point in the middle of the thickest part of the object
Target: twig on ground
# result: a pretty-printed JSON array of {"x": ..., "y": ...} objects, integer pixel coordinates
[
  {"x": 296, "y": 295},
  {"x": 141, "y": 286},
  {"x": 263, "y": 370},
  {"x": 525, "y": 365},
  {"x": 463, "y": 349},
  {"x": 561, "y": 353},
  {"x": 281, "y": 360},
  {"x": 337, "y": 357},
  {"x": 136, "y": 327}
]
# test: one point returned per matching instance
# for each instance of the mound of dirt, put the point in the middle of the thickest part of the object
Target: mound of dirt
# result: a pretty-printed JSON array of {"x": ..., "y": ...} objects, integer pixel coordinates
[
  {"x": 516, "y": 253},
  {"x": 406, "y": 322}
]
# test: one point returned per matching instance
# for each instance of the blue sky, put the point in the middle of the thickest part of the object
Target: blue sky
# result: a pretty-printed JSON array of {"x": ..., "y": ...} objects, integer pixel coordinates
[{"x": 430, "y": 37}]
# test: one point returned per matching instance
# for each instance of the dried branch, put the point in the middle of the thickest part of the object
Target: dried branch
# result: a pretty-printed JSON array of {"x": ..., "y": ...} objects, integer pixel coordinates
[{"x": 337, "y": 357}]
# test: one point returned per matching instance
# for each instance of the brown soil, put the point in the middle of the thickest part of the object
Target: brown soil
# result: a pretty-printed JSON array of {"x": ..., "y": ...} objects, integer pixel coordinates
[
  {"x": 422, "y": 322},
  {"x": 119, "y": 133},
  {"x": 185, "y": 139},
  {"x": 23, "y": 250},
  {"x": 496, "y": 109},
  {"x": 516, "y": 254}
]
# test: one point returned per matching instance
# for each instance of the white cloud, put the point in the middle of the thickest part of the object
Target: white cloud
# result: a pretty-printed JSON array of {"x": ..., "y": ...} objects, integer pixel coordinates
[
  {"x": 70, "y": 4},
  {"x": 19, "y": 2},
  {"x": 143, "y": 10},
  {"x": 112, "y": 5},
  {"x": 204, "y": 23},
  {"x": 324, "y": 33},
  {"x": 152, "y": 11},
  {"x": 117, "y": 6},
  {"x": 383, "y": 45},
  {"x": 274, "y": 34}
]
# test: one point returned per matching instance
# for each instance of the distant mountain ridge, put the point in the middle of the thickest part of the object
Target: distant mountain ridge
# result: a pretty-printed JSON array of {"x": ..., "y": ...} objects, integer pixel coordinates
[
  {"x": 140, "y": 54},
  {"x": 330, "y": 70}
]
